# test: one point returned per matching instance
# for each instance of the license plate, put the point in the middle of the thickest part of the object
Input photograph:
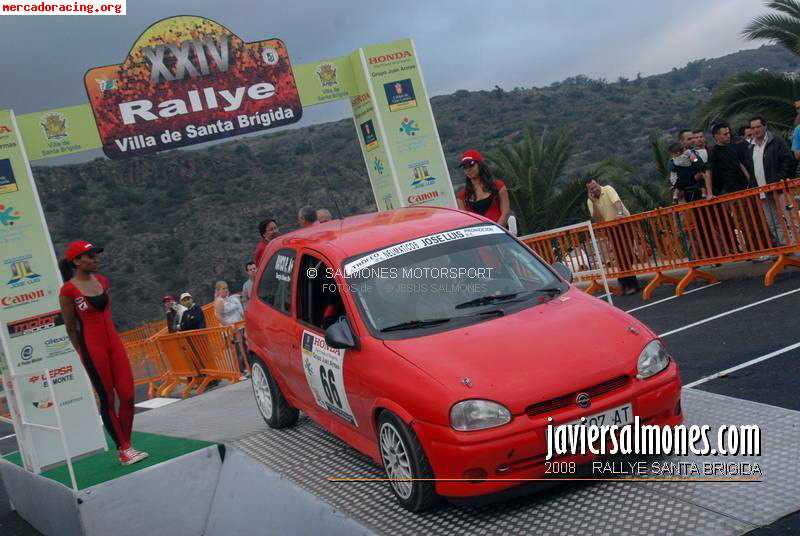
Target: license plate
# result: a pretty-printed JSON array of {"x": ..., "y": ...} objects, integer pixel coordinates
[{"x": 619, "y": 416}]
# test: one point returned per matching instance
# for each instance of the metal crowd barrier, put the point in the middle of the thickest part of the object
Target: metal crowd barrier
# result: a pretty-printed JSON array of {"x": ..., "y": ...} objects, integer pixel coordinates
[{"x": 745, "y": 225}]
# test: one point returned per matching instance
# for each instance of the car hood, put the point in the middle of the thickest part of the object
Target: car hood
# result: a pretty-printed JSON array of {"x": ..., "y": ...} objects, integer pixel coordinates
[{"x": 567, "y": 344}]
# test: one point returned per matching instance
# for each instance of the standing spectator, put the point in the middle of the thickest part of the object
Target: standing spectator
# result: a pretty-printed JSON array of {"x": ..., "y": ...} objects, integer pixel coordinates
[
  {"x": 193, "y": 317},
  {"x": 746, "y": 133},
  {"x": 227, "y": 307},
  {"x": 686, "y": 138},
  {"x": 229, "y": 312},
  {"x": 267, "y": 229},
  {"x": 689, "y": 172},
  {"x": 306, "y": 216},
  {"x": 796, "y": 133},
  {"x": 250, "y": 269},
  {"x": 482, "y": 193},
  {"x": 728, "y": 162},
  {"x": 173, "y": 311},
  {"x": 324, "y": 215},
  {"x": 699, "y": 143},
  {"x": 772, "y": 162},
  {"x": 604, "y": 204}
]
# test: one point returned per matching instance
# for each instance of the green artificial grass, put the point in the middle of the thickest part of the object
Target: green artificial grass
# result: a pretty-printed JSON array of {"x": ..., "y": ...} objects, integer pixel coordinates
[{"x": 105, "y": 466}]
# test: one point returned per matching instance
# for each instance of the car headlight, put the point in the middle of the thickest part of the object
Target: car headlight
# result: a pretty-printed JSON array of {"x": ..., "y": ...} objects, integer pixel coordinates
[
  {"x": 471, "y": 415},
  {"x": 653, "y": 359}
]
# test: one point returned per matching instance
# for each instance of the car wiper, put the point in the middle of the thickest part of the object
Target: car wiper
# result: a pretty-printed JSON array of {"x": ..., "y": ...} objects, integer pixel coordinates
[
  {"x": 486, "y": 300},
  {"x": 490, "y": 312},
  {"x": 415, "y": 324},
  {"x": 550, "y": 290}
]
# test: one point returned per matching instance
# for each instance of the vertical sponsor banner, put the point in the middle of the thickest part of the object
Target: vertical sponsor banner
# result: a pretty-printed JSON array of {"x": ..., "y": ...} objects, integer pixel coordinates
[
  {"x": 189, "y": 80},
  {"x": 31, "y": 327},
  {"x": 372, "y": 140},
  {"x": 411, "y": 138}
]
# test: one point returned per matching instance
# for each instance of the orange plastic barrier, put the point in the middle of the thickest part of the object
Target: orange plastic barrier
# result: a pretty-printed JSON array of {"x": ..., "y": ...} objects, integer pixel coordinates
[
  {"x": 196, "y": 358},
  {"x": 147, "y": 365},
  {"x": 214, "y": 353},
  {"x": 142, "y": 333},
  {"x": 739, "y": 226}
]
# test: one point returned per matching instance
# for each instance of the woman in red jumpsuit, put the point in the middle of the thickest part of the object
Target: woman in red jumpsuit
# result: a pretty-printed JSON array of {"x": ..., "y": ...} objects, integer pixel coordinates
[{"x": 86, "y": 308}]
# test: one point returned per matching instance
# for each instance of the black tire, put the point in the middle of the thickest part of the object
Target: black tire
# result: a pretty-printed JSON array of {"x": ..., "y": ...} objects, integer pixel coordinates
[
  {"x": 277, "y": 413},
  {"x": 423, "y": 492}
]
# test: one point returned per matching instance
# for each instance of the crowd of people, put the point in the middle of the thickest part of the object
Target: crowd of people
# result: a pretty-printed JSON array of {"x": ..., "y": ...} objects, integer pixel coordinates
[{"x": 186, "y": 315}]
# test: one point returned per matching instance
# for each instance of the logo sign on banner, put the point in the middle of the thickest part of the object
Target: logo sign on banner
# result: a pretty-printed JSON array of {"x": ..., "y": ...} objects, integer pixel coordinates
[
  {"x": 58, "y": 132},
  {"x": 32, "y": 331},
  {"x": 190, "y": 80}
]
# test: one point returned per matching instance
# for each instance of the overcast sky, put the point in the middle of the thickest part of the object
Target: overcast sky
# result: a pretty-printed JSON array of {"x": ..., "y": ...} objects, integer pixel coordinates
[{"x": 462, "y": 44}]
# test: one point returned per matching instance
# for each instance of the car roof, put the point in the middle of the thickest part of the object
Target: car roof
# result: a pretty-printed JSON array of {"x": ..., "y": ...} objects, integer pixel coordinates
[{"x": 350, "y": 236}]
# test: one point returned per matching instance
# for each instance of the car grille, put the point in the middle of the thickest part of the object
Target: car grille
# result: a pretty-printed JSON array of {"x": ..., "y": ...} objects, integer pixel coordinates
[{"x": 566, "y": 400}]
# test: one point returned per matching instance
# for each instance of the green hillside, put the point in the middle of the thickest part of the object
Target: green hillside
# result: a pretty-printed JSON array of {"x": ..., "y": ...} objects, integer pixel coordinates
[{"x": 183, "y": 219}]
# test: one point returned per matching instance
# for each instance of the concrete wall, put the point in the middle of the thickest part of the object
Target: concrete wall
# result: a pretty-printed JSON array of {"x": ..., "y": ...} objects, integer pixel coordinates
[
  {"x": 50, "y": 507},
  {"x": 193, "y": 495},
  {"x": 173, "y": 497},
  {"x": 253, "y": 500}
]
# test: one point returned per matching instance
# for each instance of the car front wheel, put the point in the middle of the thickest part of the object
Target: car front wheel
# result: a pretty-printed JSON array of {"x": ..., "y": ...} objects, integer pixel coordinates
[
  {"x": 405, "y": 463},
  {"x": 273, "y": 406}
]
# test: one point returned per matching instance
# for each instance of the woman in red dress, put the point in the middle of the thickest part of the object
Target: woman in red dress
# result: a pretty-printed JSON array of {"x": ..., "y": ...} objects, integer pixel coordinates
[
  {"x": 86, "y": 308},
  {"x": 483, "y": 194}
]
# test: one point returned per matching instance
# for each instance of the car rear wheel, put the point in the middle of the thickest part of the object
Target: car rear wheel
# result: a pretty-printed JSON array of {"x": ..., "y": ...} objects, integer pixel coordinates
[
  {"x": 273, "y": 406},
  {"x": 406, "y": 464}
]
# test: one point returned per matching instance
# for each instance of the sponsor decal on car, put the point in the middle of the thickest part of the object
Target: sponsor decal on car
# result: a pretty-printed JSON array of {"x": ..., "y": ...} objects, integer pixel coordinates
[
  {"x": 418, "y": 243},
  {"x": 324, "y": 368}
]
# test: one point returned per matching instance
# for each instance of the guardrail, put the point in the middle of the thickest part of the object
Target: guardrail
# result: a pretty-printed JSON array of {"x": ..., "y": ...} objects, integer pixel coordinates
[{"x": 744, "y": 225}]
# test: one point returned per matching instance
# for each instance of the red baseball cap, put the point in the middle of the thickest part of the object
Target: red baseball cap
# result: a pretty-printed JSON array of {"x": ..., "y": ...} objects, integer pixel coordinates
[
  {"x": 472, "y": 154},
  {"x": 79, "y": 247},
  {"x": 168, "y": 298}
]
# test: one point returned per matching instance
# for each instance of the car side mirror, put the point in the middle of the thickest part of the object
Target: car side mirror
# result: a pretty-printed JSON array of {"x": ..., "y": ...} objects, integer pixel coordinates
[
  {"x": 562, "y": 270},
  {"x": 340, "y": 336}
]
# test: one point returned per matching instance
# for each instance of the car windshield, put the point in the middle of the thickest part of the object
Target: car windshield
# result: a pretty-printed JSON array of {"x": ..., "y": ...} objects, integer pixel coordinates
[{"x": 446, "y": 280}]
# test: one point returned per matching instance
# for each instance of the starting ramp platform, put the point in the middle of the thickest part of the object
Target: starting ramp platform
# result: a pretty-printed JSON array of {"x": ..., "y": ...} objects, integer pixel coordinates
[{"x": 276, "y": 482}]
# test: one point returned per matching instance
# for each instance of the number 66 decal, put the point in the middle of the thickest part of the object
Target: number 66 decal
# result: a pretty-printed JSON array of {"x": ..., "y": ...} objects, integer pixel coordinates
[{"x": 324, "y": 370}]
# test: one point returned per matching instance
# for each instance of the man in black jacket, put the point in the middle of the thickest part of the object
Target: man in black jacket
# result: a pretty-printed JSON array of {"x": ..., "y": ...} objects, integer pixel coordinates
[
  {"x": 728, "y": 162},
  {"x": 193, "y": 317},
  {"x": 772, "y": 162}
]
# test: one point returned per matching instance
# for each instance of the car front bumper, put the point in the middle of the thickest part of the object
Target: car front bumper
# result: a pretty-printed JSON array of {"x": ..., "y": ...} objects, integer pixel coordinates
[{"x": 488, "y": 461}]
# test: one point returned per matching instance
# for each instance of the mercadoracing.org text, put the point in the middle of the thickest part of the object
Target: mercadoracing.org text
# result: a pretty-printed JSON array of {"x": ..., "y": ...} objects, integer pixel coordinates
[{"x": 62, "y": 7}]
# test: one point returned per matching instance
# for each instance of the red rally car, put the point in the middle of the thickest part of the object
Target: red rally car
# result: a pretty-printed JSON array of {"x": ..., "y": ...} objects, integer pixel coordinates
[{"x": 438, "y": 344}]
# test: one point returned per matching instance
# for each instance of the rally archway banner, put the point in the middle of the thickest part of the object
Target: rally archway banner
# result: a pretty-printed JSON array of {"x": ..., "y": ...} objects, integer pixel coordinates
[{"x": 190, "y": 80}]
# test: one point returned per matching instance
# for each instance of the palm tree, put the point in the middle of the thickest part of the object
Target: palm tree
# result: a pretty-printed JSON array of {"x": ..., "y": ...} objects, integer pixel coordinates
[
  {"x": 540, "y": 195},
  {"x": 762, "y": 92}
]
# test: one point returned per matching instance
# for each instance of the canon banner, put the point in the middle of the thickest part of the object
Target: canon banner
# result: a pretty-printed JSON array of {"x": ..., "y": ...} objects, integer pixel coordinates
[
  {"x": 190, "y": 80},
  {"x": 35, "y": 345}
]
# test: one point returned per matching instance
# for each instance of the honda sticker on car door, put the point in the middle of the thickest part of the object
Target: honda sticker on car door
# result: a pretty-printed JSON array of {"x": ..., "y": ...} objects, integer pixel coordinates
[{"x": 323, "y": 366}]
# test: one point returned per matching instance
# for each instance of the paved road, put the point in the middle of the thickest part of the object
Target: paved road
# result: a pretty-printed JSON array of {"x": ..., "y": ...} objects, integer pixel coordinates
[{"x": 710, "y": 330}]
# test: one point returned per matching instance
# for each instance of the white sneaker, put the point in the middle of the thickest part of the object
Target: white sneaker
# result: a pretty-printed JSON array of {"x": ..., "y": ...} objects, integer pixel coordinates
[{"x": 131, "y": 456}]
